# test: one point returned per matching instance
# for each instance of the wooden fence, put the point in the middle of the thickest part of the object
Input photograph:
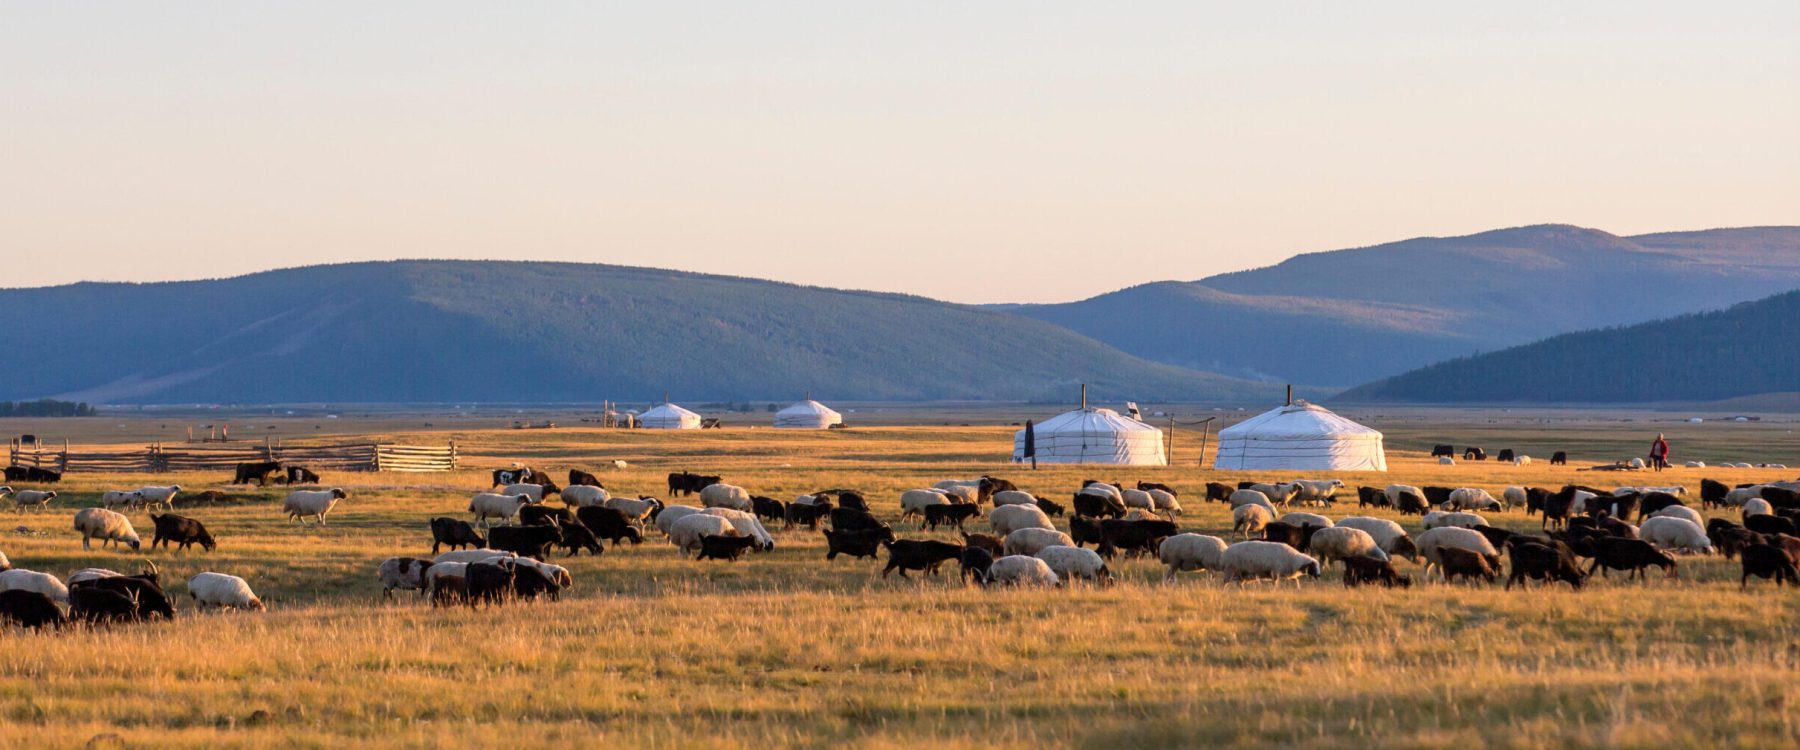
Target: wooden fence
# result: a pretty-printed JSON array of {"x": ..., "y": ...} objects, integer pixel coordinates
[{"x": 157, "y": 458}]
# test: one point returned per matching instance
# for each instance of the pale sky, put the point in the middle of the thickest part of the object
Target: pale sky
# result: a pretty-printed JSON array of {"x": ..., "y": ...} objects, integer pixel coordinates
[{"x": 976, "y": 152}]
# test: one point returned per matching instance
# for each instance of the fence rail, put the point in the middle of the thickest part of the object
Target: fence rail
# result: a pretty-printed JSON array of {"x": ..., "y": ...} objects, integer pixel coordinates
[{"x": 157, "y": 458}]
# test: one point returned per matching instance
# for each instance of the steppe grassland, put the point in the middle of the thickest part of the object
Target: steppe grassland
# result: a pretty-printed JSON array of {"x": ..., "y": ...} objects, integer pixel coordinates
[{"x": 787, "y": 649}]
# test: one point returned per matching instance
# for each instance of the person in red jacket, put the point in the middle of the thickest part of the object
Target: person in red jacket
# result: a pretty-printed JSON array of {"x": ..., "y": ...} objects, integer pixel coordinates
[{"x": 1659, "y": 453}]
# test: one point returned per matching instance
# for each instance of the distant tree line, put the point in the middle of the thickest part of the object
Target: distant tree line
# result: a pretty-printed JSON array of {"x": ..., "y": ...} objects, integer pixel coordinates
[{"x": 45, "y": 408}]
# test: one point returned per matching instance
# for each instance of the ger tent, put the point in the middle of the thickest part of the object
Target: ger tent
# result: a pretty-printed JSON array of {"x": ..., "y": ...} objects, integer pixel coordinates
[
  {"x": 1094, "y": 436},
  {"x": 807, "y": 415},
  {"x": 669, "y": 417},
  {"x": 1300, "y": 436}
]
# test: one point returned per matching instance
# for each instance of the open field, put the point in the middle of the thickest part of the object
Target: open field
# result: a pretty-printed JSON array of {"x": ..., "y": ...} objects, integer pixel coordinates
[{"x": 785, "y": 649}]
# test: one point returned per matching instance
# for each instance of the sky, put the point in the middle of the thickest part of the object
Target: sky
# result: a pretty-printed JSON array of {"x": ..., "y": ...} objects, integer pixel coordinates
[{"x": 975, "y": 152}]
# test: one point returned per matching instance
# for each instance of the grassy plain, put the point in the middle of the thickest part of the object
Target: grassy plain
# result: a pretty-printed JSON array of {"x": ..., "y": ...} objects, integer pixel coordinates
[{"x": 785, "y": 649}]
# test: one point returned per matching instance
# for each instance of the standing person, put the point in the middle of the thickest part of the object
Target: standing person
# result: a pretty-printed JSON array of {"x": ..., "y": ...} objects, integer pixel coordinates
[{"x": 1659, "y": 453}]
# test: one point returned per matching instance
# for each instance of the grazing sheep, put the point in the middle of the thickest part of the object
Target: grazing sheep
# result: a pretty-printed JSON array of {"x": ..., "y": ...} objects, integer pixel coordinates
[
  {"x": 36, "y": 500},
  {"x": 726, "y": 496},
  {"x": 1250, "y": 519},
  {"x": 727, "y": 548},
  {"x": 1334, "y": 543},
  {"x": 1218, "y": 492},
  {"x": 1138, "y": 499},
  {"x": 30, "y": 609},
  {"x": 1165, "y": 502},
  {"x": 950, "y": 514},
  {"x": 1454, "y": 562},
  {"x": 746, "y": 524},
  {"x": 987, "y": 542},
  {"x": 687, "y": 532},
  {"x": 1633, "y": 555},
  {"x": 914, "y": 502},
  {"x": 1680, "y": 511},
  {"x": 526, "y": 541},
  {"x": 1431, "y": 543},
  {"x": 1522, "y": 461},
  {"x": 1022, "y": 570},
  {"x": 181, "y": 531},
  {"x": 857, "y": 543},
  {"x": 402, "y": 573},
  {"x": 1189, "y": 552},
  {"x": 223, "y": 591},
  {"x": 536, "y": 492},
  {"x": 1099, "y": 501},
  {"x": 486, "y": 505},
  {"x": 1737, "y": 497},
  {"x": 1280, "y": 494},
  {"x": 1010, "y": 518},
  {"x": 555, "y": 573},
  {"x": 1513, "y": 497},
  {"x": 1446, "y": 461},
  {"x": 1677, "y": 534},
  {"x": 1030, "y": 541},
  {"x": 608, "y": 524},
  {"x": 159, "y": 497},
  {"x": 975, "y": 562},
  {"x": 961, "y": 494},
  {"x": 1361, "y": 570},
  {"x": 1389, "y": 536},
  {"x": 1471, "y": 498},
  {"x": 1768, "y": 561},
  {"x": 1439, "y": 519},
  {"x": 1395, "y": 491},
  {"x": 1241, "y": 498},
  {"x": 1072, "y": 563},
  {"x": 20, "y": 579},
  {"x": 454, "y": 533},
  {"x": 1271, "y": 560},
  {"x": 127, "y": 499},
  {"x": 585, "y": 496},
  {"x": 108, "y": 526},
  {"x": 1306, "y": 519},
  {"x": 1756, "y": 507},
  {"x": 1014, "y": 497},
  {"x": 851, "y": 519},
  {"x": 1320, "y": 492},
  {"x": 918, "y": 554},
  {"x": 1764, "y": 523},
  {"x": 641, "y": 508},
  {"x": 315, "y": 503},
  {"x": 1532, "y": 561}
]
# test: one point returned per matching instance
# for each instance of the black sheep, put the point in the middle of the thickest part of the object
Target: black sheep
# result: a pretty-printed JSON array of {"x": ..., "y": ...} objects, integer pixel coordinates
[
  {"x": 1768, "y": 561},
  {"x": 1098, "y": 505},
  {"x": 454, "y": 533},
  {"x": 1457, "y": 562},
  {"x": 1134, "y": 537},
  {"x": 1654, "y": 502},
  {"x": 797, "y": 514},
  {"x": 578, "y": 478},
  {"x": 950, "y": 515},
  {"x": 1218, "y": 492},
  {"x": 181, "y": 531},
  {"x": 855, "y": 542},
  {"x": 1764, "y": 523},
  {"x": 1538, "y": 562},
  {"x": 1632, "y": 555},
  {"x": 490, "y": 582},
  {"x": 577, "y": 537},
  {"x": 854, "y": 519},
  {"x": 989, "y": 542},
  {"x": 609, "y": 524},
  {"x": 1371, "y": 497},
  {"x": 525, "y": 541},
  {"x": 1050, "y": 507},
  {"x": 1712, "y": 494},
  {"x": 728, "y": 548},
  {"x": 768, "y": 508},
  {"x": 975, "y": 562},
  {"x": 1360, "y": 570},
  {"x": 918, "y": 554},
  {"x": 542, "y": 514}
]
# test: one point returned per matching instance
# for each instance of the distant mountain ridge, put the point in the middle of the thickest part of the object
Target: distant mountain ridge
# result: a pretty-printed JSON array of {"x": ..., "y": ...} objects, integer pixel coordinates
[
  {"x": 1350, "y": 316},
  {"x": 1744, "y": 351},
  {"x": 447, "y": 331}
]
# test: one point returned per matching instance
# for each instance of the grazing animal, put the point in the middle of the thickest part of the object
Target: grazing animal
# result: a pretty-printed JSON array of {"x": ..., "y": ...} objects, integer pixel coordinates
[
  {"x": 1455, "y": 562},
  {"x": 30, "y": 609},
  {"x": 34, "y": 500},
  {"x": 854, "y": 519},
  {"x": 576, "y": 537},
  {"x": 950, "y": 515},
  {"x": 301, "y": 475},
  {"x": 917, "y": 554},
  {"x": 1147, "y": 486},
  {"x": 1764, "y": 523},
  {"x": 1365, "y": 570},
  {"x": 1367, "y": 497},
  {"x": 1052, "y": 508},
  {"x": 1133, "y": 537},
  {"x": 1183, "y": 552},
  {"x": 1768, "y": 561},
  {"x": 726, "y": 496},
  {"x": 684, "y": 483},
  {"x": 1009, "y": 518},
  {"x": 97, "y": 605},
  {"x": 1075, "y": 563},
  {"x": 1320, "y": 492},
  {"x": 1442, "y": 449},
  {"x": 454, "y": 533},
  {"x": 1389, "y": 536},
  {"x": 1014, "y": 497},
  {"x": 1675, "y": 533},
  {"x": 797, "y": 513},
  {"x": 987, "y": 542},
  {"x": 1022, "y": 570},
  {"x": 585, "y": 495},
  {"x": 1266, "y": 560},
  {"x": 914, "y": 502},
  {"x": 637, "y": 510},
  {"x": 159, "y": 497},
  {"x": 20, "y": 579},
  {"x": 975, "y": 562},
  {"x": 260, "y": 472},
  {"x": 1250, "y": 519},
  {"x": 768, "y": 508},
  {"x": 486, "y": 505},
  {"x": 728, "y": 548},
  {"x": 1431, "y": 544},
  {"x": 181, "y": 531},
  {"x": 1029, "y": 541},
  {"x": 1559, "y": 458},
  {"x": 108, "y": 526},
  {"x": 316, "y": 503},
  {"x": 526, "y": 541},
  {"x": 856, "y": 542},
  {"x": 220, "y": 590},
  {"x": 1539, "y": 562},
  {"x": 609, "y": 524},
  {"x": 490, "y": 582},
  {"x": 579, "y": 478},
  {"x": 1633, "y": 555},
  {"x": 1219, "y": 492},
  {"x": 402, "y": 573},
  {"x": 536, "y": 514},
  {"x": 121, "y": 499},
  {"x": 1329, "y": 544}
]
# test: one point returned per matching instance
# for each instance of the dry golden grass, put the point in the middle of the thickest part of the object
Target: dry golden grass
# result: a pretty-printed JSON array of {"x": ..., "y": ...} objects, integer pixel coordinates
[{"x": 785, "y": 649}]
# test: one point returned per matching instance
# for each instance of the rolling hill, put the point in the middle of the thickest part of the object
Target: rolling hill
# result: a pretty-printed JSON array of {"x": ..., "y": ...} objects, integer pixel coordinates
[
  {"x": 445, "y": 331},
  {"x": 1747, "y": 350},
  {"x": 1352, "y": 316}
]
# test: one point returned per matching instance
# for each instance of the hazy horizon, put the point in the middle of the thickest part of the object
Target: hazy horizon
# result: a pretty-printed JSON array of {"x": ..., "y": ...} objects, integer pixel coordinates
[{"x": 1008, "y": 152}]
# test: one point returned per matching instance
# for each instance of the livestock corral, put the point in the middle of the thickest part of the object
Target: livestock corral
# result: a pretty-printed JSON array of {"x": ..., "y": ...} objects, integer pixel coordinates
[{"x": 728, "y": 631}]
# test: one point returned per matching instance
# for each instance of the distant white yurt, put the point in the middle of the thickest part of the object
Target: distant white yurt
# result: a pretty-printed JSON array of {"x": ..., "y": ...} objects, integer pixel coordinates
[
  {"x": 1094, "y": 436},
  {"x": 808, "y": 415},
  {"x": 669, "y": 417},
  {"x": 1300, "y": 436}
]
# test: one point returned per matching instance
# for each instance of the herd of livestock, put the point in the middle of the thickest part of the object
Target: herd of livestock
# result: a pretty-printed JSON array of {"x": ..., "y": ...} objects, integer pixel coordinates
[{"x": 501, "y": 553}]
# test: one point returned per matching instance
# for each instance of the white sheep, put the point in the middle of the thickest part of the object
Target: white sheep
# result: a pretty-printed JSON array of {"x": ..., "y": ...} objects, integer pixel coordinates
[
  {"x": 585, "y": 496},
  {"x": 687, "y": 533},
  {"x": 1514, "y": 497},
  {"x": 1388, "y": 535},
  {"x": 1394, "y": 491},
  {"x": 746, "y": 524},
  {"x": 667, "y": 518},
  {"x": 1139, "y": 514},
  {"x": 127, "y": 499},
  {"x": 1251, "y": 518},
  {"x": 1446, "y": 461},
  {"x": 1022, "y": 570},
  {"x": 914, "y": 502},
  {"x": 1190, "y": 552},
  {"x": 1010, "y": 518},
  {"x": 1439, "y": 519},
  {"x": 1521, "y": 460},
  {"x": 726, "y": 496},
  {"x": 1013, "y": 497},
  {"x": 1166, "y": 503},
  {"x": 1636, "y": 463},
  {"x": 534, "y": 491},
  {"x": 470, "y": 556},
  {"x": 1754, "y": 507},
  {"x": 108, "y": 526},
  {"x": 1316, "y": 491},
  {"x": 405, "y": 573},
  {"x": 223, "y": 591},
  {"x": 36, "y": 500},
  {"x": 20, "y": 579},
  {"x": 1682, "y": 511},
  {"x": 1102, "y": 488},
  {"x": 1306, "y": 519},
  {"x": 1240, "y": 498},
  {"x": 446, "y": 569},
  {"x": 1071, "y": 563},
  {"x": 636, "y": 510},
  {"x": 1432, "y": 541},
  {"x": 1471, "y": 498},
  {"x": 91, "y": 574},
  {"x": 1138, "y": 499},
  {"x": 1696, "y": 464},
  {"x": 486, "y": 505},
  {"x": 316, "y": 503},
  {"x": 1338, "y": 543},
  {"x": 1279, "y": 494},
  {"x": 1266, "y": 560},
  {"x": 1578, "y": 503},
  {"x": 1031, "y": 541},
  {"x": 1740, "y": 495},
  {"x": 961, "y": 494},
  {"x": 1677, "y": 534},
  {"x": 163, "y": 497},
  {"x": 974, "y": 484}
]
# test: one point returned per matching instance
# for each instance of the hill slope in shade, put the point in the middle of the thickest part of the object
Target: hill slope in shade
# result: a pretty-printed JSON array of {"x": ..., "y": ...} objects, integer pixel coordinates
[
  {"x": 1351, "y": 316},
  {"x": 444, "y": 331},
  {"x": 1746, "y": 350}
]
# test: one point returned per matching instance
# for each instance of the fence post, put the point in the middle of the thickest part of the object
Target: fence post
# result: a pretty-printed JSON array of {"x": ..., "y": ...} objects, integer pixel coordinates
[{"x": 375, "y": 449}]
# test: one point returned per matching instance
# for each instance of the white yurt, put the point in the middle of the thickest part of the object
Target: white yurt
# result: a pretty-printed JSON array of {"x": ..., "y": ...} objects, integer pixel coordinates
[
  {"x": 1299, "y": 436},
  {"x": 669, "y": 416},
  {"x": 1094, "y": 436},
  {"x": 808, "y": 415}
]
